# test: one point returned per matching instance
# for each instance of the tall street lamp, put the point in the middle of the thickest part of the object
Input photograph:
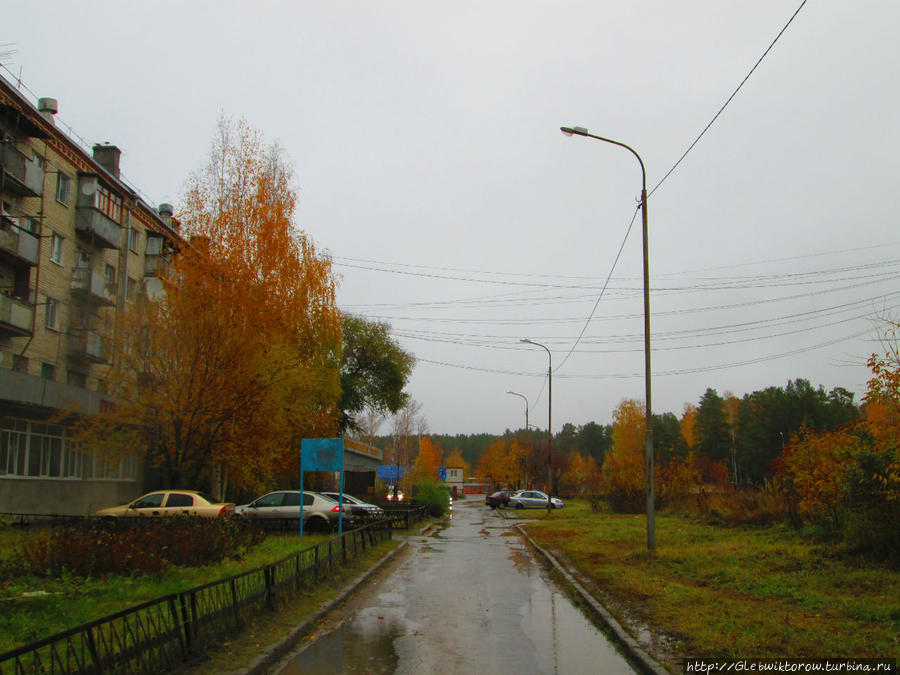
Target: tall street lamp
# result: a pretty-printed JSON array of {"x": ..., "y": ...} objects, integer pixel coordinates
[
  {"x": 648, "y": 437},
  {"x": 549, "y": 419},
  {"x": 522, "y": 396}
]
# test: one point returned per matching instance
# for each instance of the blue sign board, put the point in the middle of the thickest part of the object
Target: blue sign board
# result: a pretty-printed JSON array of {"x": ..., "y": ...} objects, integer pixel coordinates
[
  {"x": 391, "y": 472},
  {"x": 442, "y": 472},
  {"x": 323, "y": 454}
]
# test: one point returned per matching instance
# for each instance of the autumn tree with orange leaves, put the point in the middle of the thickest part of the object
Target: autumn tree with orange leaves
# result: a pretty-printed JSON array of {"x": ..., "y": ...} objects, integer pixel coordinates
[
  {"x": 623, "y": 465},
  {"x": 502, "y": 463},
  {"x": 849, "y": 479},
  {"x": 220, "y": 379},
  {"x": 428, "y": 461},
  {"x": 582, "y": 477}
]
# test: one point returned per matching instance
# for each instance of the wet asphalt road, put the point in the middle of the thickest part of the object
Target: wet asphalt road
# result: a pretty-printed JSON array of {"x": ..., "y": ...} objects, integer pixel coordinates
[{"x": 468, "y": 597}]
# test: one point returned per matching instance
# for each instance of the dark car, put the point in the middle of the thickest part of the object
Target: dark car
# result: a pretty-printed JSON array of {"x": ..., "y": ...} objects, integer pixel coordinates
[
  {"x": 361, "y": 510},
  {"x": 497, "y": 499}
]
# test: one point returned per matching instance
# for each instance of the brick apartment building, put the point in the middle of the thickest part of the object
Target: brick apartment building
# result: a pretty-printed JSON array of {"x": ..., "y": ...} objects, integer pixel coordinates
[{"x": 77, "y": 246}]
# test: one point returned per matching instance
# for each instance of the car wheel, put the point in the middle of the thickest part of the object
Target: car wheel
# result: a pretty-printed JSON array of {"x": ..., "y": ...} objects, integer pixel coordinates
[
  {"x": 519, "y": 505},
  {"x": 318, "y": 526}
]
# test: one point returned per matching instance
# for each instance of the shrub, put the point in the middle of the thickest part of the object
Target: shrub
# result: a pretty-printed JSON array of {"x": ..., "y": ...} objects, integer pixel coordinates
[
  {"x": 141, "y": 547},
  {"x": 435, "y": 497},
  {"x": 872, "y": 508},
  {"x": 772, "y": 503}
]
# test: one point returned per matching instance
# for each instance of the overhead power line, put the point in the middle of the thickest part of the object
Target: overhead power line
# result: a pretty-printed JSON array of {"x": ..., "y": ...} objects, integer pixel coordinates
[{"x": 730, "y": 98}]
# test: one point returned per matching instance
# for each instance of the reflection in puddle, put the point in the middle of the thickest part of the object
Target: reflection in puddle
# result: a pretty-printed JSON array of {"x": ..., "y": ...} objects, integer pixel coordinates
[{"x": 361, "y": 646}]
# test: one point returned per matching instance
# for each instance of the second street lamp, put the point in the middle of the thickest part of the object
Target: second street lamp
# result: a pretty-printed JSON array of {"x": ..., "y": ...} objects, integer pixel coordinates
[
  {"x": 549, "y": 419},
  {"x": 648, "y": 434},
  {"x": 522, "y": 396}
]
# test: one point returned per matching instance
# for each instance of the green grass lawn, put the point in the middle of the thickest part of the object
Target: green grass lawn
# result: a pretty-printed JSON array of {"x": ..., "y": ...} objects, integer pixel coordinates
[{"x": 729, "y": 591}]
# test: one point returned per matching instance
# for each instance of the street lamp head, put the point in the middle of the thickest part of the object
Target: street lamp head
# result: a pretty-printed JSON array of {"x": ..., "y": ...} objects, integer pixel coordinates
[
  {"x": 569, "y": 131},
  {"x": 526, "y": 341}
]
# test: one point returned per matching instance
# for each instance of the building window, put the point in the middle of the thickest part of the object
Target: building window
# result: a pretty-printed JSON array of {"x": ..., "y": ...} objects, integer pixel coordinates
[
  {"x": 134, "y": 237},
  {"x": 38, "y": 450},
  {"x": 48, "y": 371},
  {"x": 76, "y": 379},
  {"x": 63, "y": 188},
  {"x": 131, "y": 287},
  {"x": 50, "y": 317},
  {"x": 56, "y": 249}
]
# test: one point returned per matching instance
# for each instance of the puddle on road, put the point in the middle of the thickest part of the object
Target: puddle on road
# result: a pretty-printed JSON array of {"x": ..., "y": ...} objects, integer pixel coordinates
[{"x": 353, "y": 647}]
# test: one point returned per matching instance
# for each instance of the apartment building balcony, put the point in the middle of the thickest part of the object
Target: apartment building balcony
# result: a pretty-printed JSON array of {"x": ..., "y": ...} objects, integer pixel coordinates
[
  {"x": 87, "y": 345},
  {"x": 156, "y": 265},
  {"x": 16, "y": 316},
  {"x": 27, "y": 177},
  {"x": 103, "y": 231},
  {"x": 17, "y": 246},
  {"x": 93, "y": 287},
  {"x": 22, "y": 389}
]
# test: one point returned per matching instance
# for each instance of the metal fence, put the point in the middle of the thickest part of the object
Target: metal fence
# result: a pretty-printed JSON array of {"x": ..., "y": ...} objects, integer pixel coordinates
[
  {"x": 162, "y": 634},
  {"x": 404, "y": 517}
]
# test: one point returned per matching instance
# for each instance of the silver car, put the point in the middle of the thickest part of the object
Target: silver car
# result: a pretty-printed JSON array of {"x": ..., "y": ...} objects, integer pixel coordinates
[
  {"x": 359, "y": 508},
  {"x": 532, "y": 499},
  {"x": 320, "y": 513}
]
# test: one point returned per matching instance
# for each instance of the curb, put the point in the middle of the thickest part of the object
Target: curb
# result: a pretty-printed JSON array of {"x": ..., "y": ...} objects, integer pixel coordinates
[
  {"x": 273, "y": 654},
  {"x": 631, "y": 646}
]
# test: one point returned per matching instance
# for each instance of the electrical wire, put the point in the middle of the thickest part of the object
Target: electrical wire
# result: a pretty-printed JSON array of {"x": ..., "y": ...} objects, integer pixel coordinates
[{"x": 730, "y": 98}]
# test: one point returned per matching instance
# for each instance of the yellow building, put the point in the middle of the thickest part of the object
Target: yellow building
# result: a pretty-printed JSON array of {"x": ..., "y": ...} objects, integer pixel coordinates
[{"x": 77, "y": 246}]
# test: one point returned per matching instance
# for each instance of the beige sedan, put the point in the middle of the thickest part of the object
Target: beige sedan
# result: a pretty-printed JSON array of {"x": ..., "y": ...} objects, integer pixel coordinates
[{"x": 171, "y": 503}]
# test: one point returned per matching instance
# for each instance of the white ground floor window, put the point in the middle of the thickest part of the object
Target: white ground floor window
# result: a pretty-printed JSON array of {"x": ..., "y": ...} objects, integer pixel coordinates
[{"x": 34, "y": 449}]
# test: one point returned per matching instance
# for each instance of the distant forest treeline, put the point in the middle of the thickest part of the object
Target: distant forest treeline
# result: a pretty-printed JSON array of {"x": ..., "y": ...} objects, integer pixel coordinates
[{"x": 746, "y": 434}]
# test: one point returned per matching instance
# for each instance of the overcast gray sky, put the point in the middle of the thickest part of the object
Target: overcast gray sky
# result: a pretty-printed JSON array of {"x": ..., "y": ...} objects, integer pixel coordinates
[{"x": 425, "y": 138}]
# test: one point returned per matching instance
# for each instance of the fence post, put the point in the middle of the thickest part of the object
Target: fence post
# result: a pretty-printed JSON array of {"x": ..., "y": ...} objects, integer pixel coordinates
[
  {"x": 234, "y": 604},
  {"x": 92, "y": 648},
  {"x": 268, "y": 573},
  {"x": 186, "y": 623},
  {"x": 179, "y": 631}
]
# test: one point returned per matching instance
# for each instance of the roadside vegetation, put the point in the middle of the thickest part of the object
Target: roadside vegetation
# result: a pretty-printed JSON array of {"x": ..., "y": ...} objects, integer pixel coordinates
[
  {"x": 33, "y": 606},
  {"x": 729, "y": 591}
]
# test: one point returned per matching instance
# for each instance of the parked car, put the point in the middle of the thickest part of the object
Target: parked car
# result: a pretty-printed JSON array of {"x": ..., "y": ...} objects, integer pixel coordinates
[
  {"x": 320, "y": 513},
  {"x": 498, "y": 499},
  {"x": 171, "y": 503},
  {"x": 358, "y": 507},
  {"x": 532, "y": 499}
]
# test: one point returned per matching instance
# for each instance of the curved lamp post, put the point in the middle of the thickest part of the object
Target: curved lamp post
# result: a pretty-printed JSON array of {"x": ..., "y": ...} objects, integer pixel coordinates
[
  {"x": 522, "y": 396},
  {"x": 549, "y": 419},
  {"x": 648, "y": 438}
]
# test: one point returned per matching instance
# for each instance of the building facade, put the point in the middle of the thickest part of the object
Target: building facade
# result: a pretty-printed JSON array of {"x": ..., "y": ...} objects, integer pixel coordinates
[{"x": 78, "y": 246}]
